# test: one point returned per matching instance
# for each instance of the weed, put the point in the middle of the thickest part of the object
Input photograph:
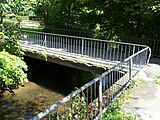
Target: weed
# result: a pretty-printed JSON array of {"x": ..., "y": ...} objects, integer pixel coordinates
[
  {"x": 114, "y": 112},
  {"x": 157, "y": 80}
]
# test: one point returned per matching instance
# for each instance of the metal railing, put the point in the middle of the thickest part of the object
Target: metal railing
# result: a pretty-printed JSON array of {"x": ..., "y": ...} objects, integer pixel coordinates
[
  {"x": 86, "y": 47},
  {"x": 152, "y": 43},
  {"x": 93, "y": 99}
]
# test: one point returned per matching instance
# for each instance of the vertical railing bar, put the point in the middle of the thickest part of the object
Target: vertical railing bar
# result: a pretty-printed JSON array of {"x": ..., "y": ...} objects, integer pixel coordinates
[
  {"x": 100, "y": 51},
  {"x": 61, "y": 42},
  {"x": 51, "y": 41},
  {"x": 66, "y": 44},
  {"x": 82, "y": 47},
  {"x": 91, "y": 94},
  {"x": 72, "y": 43},
  {"x": 94, "y": 50},
  {"x": 125, "y": 51},
  {"x": 91, "y": 52},
  {"x": 54, "y": 41},
  {"x": 87, "y": 101},
  {"x": 130, "y": 69},
  {"x": 110, "y": 55},
  {"x": 100, "y": 98},
  {"x": 45, "y": 40},
  {"x": 104, "y": 47},
  {"x": 75, "y": 45},
  {"x": 85, "y": 47},
  {"x": 114, "y": 49},
  {"x": 121, "y": 53},
  {"x": 112, "y": 84},
  {"x": 129, "y": 54},
  {"x": 97, "y": 50},
  {"x": 107, "y": 51},
  {"x": 103, "y": 84},
  {"x": 36, "y": 39},
  {"x": 117, "y": 52},
  {"x": 89, "y": 48}
]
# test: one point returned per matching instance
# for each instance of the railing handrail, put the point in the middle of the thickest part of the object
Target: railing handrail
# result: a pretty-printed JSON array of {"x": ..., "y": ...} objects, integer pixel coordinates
[
  {"x": 69, "y": 36},
  {"x": 149, "y": 55}
]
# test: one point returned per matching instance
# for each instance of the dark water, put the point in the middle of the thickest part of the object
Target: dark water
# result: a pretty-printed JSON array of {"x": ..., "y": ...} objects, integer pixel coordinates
[{"x": 48, "y": 83}]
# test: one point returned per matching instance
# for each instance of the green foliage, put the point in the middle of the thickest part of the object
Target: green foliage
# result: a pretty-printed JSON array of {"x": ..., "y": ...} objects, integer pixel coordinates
[
  {"x": 44, "y": 54},
  {"x": 114, "y": 113},
  {"x": 12, "y": 36},
  {"x": 108, "y": 19},
  {"x": 79, "y": 108},
  {"x": 157, "y": 80},
  {"x": 11, "y": 69},
  {"x": 131, "y": 18},
  {"x": 70, "y": 14}
]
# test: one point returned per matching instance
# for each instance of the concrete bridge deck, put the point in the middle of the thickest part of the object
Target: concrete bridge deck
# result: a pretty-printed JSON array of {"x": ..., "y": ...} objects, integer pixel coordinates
[{"x": 61, "y": 57}]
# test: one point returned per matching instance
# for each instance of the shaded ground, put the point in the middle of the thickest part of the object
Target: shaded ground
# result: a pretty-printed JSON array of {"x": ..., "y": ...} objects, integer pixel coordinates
[{"x": 145, "y": 101}]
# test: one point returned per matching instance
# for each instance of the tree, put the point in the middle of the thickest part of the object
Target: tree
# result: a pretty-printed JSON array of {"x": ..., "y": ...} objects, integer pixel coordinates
[
  {"x": 16, "y": 7},
  {"x": 68, "y": 14},
  {"x": 12, "y": 66},
  {"x": 108, "y": 18},
  {"x": 131, "y": 18}
]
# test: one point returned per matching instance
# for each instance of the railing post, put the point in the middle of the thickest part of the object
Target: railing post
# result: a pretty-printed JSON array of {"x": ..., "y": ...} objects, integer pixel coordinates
[
  {"x": 82, "y": 46},
  {"x": 45, "y": 41},
  {"x": 29, "y": 39},
  {"x": 133, "y": 49},
  {"x": 130, "y": 68},
  {"x": 100, "y": 98}
]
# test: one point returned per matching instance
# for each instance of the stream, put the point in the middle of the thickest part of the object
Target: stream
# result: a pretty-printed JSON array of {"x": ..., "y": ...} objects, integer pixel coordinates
[{"x": 47, "y": 84}]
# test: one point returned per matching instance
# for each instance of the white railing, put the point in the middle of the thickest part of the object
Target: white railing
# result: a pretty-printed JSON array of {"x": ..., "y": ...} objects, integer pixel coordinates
[
  {"x": 88, "y": 47},
  {"x": 93, "y": 99}
]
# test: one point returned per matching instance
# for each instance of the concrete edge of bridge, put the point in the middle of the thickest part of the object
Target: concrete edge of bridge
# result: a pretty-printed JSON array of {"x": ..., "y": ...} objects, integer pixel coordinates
[{"x": 76, "y": 62}]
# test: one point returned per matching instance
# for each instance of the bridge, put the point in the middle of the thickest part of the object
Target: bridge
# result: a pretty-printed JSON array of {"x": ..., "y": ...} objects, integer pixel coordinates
[{"x": 116, "y": 62}]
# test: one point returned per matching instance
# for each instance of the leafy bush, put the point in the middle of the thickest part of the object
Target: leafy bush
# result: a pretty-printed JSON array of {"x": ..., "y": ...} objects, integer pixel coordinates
[
  {"x": 10, "y": 37},
  {"x": 11, "y": 70}
]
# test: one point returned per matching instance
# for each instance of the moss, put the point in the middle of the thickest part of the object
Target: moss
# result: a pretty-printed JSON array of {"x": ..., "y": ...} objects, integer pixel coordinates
[{"x": 44, "y": 54}]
